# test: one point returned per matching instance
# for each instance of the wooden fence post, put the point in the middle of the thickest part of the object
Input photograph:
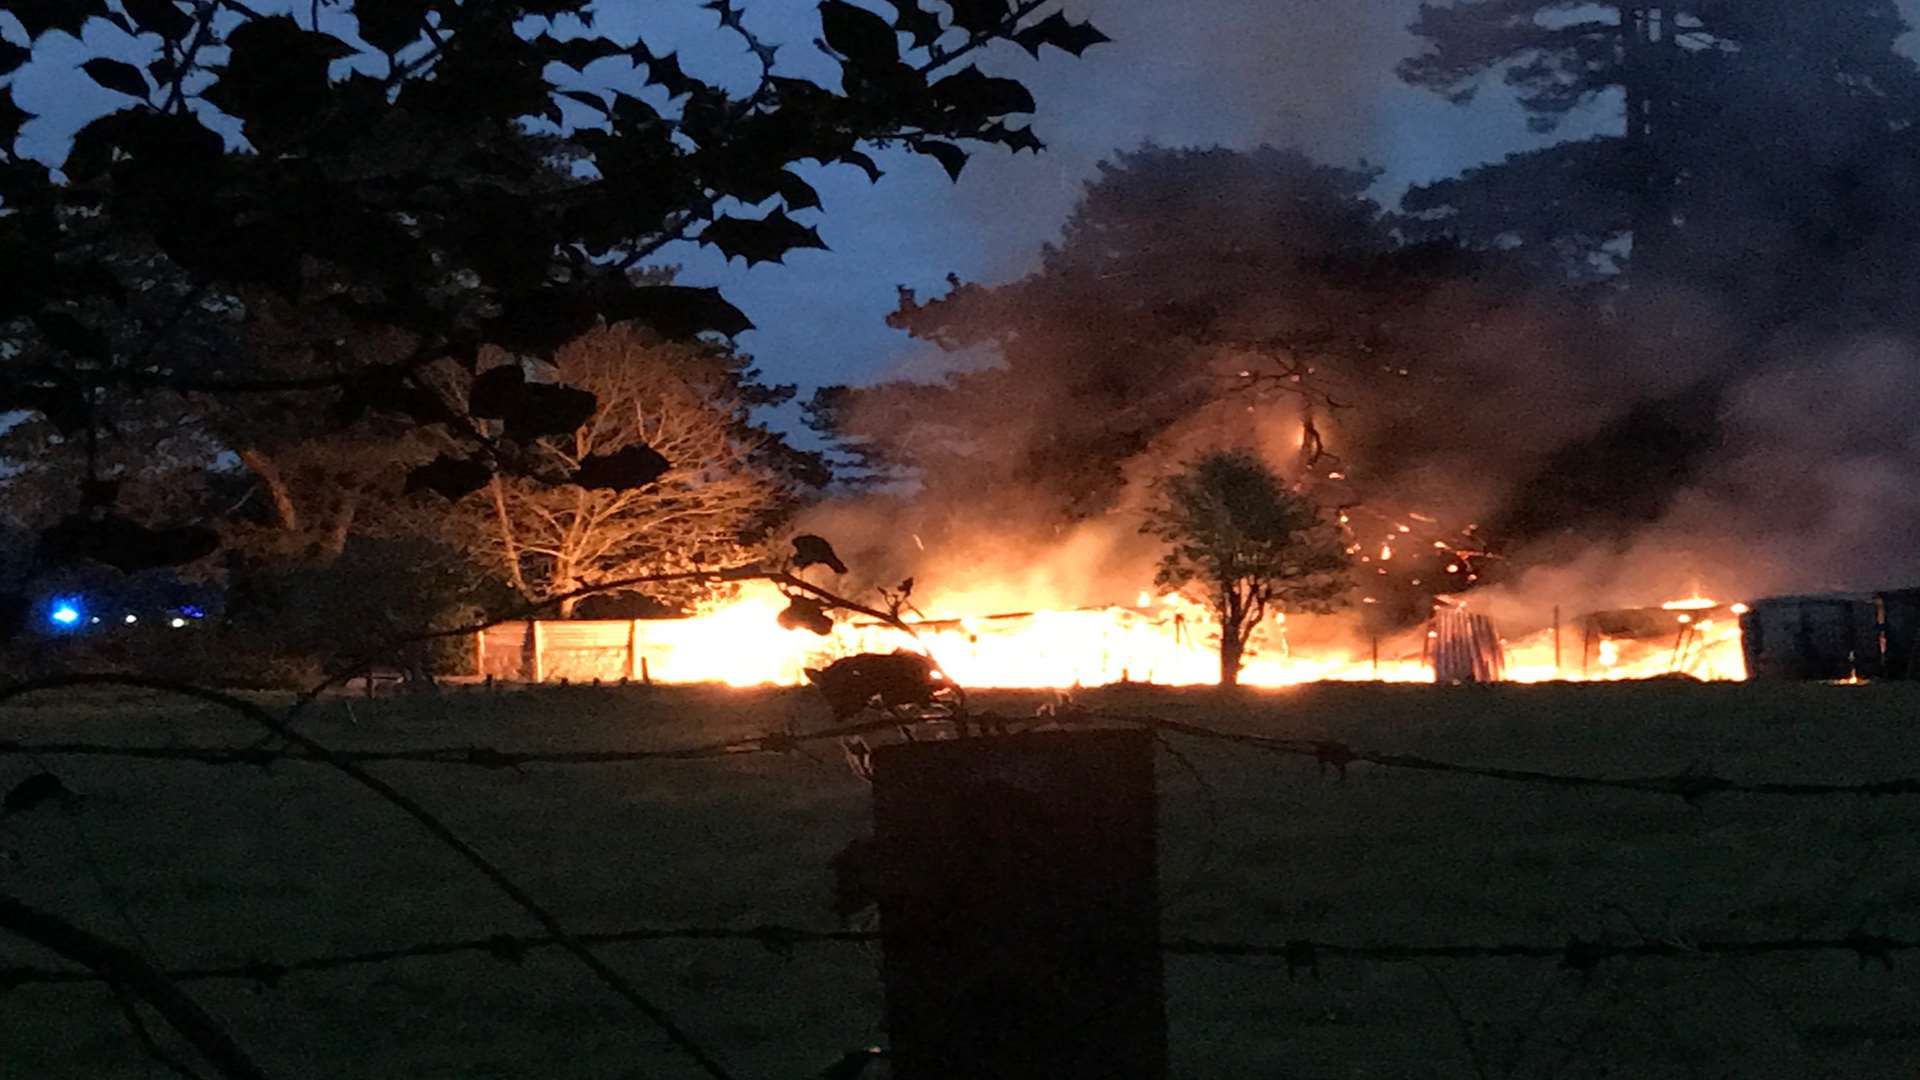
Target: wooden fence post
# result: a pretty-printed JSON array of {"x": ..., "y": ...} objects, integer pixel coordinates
[
  {"x": 539, "y": 653},
  {"x": 1019, "y": 907},
  {"x": 633, "y": 649}
]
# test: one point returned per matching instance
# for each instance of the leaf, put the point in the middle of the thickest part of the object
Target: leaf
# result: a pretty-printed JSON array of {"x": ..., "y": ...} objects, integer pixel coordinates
[
  {"x": 579, "y": 52},
  {"x": 796, "y": 193},
  {"x": 806, "y": 613},
  {"x": 866, "y": 164},
  {"x": 1056, "y": 30},
  {"x": 679, "y": 311},
  {"x": 40, "y": 16},
  {"x": 950, "y": 157},
  {"x": 11, "y": 117},
  {"x": 1015, "y": 139},
  {"x": 588, "y": 98},
  {"x": 542, "y": 410},
  {"x": 452, "y": 477},
  {"x": 976, "y": 95},
  {"x": 276, "y": 75},
  {"x": 979, "y": 16},
  {"x": 766, "y": 240},
  {"x": 865, "y": 39},
  {"x": 492, "y": 394},
  {"x": 117, "y": 76},
  {"x": 162, "y": 17},
  {"x": 633, "y": 467},
  {"x": 811, "y": 550},
  {"x": 664, "y": 71},
  {"x": 913, "y": 19},
  {"x": 391, "y": 25},
  {"x": 12, "y": 56}
]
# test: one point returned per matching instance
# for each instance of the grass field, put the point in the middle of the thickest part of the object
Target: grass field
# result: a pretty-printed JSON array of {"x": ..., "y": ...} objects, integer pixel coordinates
[{"x": 204, "y": 865}]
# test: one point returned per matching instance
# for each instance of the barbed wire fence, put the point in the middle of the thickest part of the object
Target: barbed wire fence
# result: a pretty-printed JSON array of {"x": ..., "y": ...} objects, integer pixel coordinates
[{"x": 127, "y": 974}]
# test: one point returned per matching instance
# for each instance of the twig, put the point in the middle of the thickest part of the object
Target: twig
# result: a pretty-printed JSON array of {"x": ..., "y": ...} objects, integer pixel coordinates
[{"x": 131, "y": 1010}]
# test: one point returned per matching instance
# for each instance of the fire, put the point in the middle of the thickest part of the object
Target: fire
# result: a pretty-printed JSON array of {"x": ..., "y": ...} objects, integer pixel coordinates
[{"x": 1169, "y": 640}]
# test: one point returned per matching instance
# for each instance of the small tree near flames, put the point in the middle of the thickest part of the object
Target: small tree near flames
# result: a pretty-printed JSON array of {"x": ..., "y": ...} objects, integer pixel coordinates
[{"x": 1236, "y": 532}]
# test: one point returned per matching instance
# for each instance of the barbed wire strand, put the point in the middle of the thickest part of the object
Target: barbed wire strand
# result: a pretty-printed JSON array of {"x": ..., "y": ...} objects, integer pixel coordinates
[
  {"x": 439, "y": 829},
  {"x": 1302, "y": 955},
  {"x": 1691, "y": 784}
]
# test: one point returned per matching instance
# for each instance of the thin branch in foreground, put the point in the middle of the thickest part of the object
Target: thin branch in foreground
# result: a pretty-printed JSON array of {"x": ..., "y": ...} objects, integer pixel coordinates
[
  {"x": 439, "y": 829},
  {"x": 125, "y": 968}
]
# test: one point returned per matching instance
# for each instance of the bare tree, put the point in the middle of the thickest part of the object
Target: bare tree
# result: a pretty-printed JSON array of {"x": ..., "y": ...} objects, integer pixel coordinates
[{"x": 718, "y": 494}]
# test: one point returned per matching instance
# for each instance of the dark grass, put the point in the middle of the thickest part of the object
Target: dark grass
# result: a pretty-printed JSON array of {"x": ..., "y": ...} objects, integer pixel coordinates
[{"x": 216, "y": 865}]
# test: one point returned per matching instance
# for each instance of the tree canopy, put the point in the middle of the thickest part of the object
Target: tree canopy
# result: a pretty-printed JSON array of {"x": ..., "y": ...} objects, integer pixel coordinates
[
  {"x": 1754, "y": 137},
  {"x": 1246, "y": 545},
  {"x": 318, "y": 206}
]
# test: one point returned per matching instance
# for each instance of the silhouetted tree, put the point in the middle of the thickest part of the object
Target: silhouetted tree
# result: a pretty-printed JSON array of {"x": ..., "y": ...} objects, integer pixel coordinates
[
  {"x": 1764, "y": 151},
  {"x": 387, "y": 187},
  {"x": 1248, "y": 546},
  {"x": 1182, "y": 277}
]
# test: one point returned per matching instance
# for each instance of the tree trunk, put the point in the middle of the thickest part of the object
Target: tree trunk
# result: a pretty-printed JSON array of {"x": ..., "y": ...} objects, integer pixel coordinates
[
  {"x": 509, "y": 543},
  {"x": 284, "y": 511},
  {"x": 1230, "y": 649},
  {"x": 1233, "y": 637}
]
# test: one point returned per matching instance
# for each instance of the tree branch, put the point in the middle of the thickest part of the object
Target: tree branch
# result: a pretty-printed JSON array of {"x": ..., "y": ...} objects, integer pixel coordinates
[{"x": 125, "y": 968}]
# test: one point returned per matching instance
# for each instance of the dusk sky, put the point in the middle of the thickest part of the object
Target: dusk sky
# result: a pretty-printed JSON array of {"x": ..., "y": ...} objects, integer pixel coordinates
[{"x": 1315, "y": 74}]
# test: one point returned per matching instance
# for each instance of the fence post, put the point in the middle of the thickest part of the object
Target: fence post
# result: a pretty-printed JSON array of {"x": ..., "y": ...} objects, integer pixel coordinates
[
  {"x": 480, "y": 653},
  {"x": 1019, "y": 907},
  {"x": 633, "y": 649},
  {"x": 539, "y": 653}
]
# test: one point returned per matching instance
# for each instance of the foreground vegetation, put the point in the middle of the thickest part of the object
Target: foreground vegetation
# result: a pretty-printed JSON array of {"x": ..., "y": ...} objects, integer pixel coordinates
[{"x": 202, "y": 865}]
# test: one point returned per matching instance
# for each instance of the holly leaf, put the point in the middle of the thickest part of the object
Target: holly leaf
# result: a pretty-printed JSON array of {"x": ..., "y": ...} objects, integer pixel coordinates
[
  {"x": 865, "y": 163},
  {"x": 541, "y": 410},
  {"x": 865, "y": 39},
  {"x": 811, "y": 550},
  {"x": 1014, "y": 139},
  {"x": 578, "y": 52},
  {"x": 1056, "y": 30},
  {"x": 665, "y": 71},
  {"x": 979, "y": 16},
  {"x": 451, "y": 477},
  {"x": 913, "y": 19},
  {"x": 12, "y": 56},
  {"x": 391, "y": 25},
  {"x": 806, "y": 613},
  {"x": 634, "y": 467},
  {"x": 796, "y": 193},
  {"x": 950, "y": 157},
  {"x": 766, "y": 240},
  {"x": 117, "y": 76},
  {"x": 678, "y": 311},
  {"x": 493, "y": 389},
  {"x": 40, "y": 16},
  {"x": 162, "y": 17},
  {"x": 974, "y": 94}
]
